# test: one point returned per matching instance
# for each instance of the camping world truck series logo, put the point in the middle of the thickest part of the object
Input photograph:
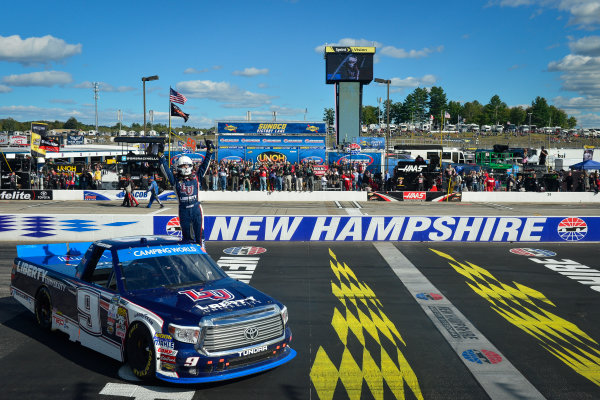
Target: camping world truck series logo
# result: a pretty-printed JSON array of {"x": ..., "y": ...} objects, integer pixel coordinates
[{"x": 572, "y": 229}]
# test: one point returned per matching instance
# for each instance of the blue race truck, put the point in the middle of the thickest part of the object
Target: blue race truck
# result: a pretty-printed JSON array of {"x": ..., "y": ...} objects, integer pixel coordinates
[{"x": 160, "y": 305}]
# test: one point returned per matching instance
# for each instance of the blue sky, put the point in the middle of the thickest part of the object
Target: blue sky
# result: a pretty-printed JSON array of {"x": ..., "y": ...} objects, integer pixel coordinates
[{"x": 230, "y": 57}]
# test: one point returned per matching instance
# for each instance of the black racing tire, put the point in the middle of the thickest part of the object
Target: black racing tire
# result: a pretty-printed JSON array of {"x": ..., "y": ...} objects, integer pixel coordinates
[
  {"x": 140, "y": 352},
  {"x": 43, "y": 309}
]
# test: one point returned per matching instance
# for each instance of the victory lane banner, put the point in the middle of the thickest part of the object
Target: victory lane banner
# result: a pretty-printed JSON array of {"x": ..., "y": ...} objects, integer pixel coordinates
[{"x": 405, "y": 229}]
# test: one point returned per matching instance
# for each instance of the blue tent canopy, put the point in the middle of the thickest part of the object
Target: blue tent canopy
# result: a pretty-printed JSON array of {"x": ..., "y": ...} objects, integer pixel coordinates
[{"x": 587, "y": 164}]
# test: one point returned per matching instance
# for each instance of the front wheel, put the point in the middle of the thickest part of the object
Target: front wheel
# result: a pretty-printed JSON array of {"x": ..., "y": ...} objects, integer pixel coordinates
[
  {"x": 140, "y": 352},
  {"x": 43, "y": 309}
]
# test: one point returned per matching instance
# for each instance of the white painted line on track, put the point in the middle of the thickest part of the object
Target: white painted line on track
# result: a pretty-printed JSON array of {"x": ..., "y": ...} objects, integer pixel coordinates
[
  {"x": 499, "y": 379},
  {"x": 159, "y": 210},
  {"x": 146, "y": 392},
  {"x": 337, "y": 203}
]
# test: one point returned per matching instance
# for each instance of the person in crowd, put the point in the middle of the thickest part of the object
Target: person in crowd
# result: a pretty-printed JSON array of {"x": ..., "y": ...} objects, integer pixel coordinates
[
  {"x": 490, "y": 183},
  {"x": 299, "y": 178},
  {"x": 510, "y": 183},
  {"x": 153, "y": 189},
  {"x": 310, "y": 184},
  {"x": 215, "y": 178},
  {"x": 234, "y": 171},
  {"x": 569, "y": 180},
  {"x": 97, "y": 178},
  {"x": 129, "y": 199},
  {"x": 287, "y": 175},
  {"x": 187, "y": 185},
  {"x": 542, "y": 156},
  {"x": 223, "y": 178}
]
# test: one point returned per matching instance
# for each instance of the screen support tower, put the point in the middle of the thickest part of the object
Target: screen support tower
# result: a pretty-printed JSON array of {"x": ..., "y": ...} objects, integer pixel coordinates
[{"x": 348, "y": 105}]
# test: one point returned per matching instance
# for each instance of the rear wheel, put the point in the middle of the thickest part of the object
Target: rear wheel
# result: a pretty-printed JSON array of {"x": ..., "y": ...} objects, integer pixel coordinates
[
  {"x": 140, "y": 352},
  {"x": 43, "y": 309}
]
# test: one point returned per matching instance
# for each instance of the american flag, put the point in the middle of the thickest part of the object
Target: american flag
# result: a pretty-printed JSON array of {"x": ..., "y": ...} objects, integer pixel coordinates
[
  {"x": 447, "y": 115},
  {"x": 176, "y": 97}
]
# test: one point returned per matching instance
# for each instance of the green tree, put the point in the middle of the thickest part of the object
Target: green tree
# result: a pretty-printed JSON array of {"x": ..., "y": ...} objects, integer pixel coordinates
[
  {"x": 571, "y": 122},
  {"x": 495, "y": 111},
  {"x": 472, "y": 112},
  {"x": 437, "y": 101},
  {"x": 71, "y": 124},
  {"x": 329, "y": 116},
  {"x": 415, "y": 106},
  {"x": 540, "y": 112},
  {"x": 455, "y": 110},
  {"x": 517, "y": 115},
  {"x": 369, "y": 115}
]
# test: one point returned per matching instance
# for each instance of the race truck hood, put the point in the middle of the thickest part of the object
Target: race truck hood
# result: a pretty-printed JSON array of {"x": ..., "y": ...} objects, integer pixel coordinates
[{"x": 189, "y": 304}]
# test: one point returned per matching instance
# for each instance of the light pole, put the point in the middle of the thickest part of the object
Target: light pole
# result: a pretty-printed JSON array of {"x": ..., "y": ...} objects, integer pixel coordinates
[
  {"x": 144, "y": 80},
  {"x": 387, "y": 82},
  {"x": 529, "y": 114},
  {"x": 96, "y": 102}
]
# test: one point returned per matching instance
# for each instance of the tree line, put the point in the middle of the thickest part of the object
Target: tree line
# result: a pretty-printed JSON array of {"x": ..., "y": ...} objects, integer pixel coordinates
[
  {"x": 422, "y": 103},
  {"x": 12, "y": 125}
]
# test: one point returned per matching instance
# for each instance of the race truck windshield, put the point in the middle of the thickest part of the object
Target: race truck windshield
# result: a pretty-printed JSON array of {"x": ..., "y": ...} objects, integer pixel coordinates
[{"x": 167, "y": 267}]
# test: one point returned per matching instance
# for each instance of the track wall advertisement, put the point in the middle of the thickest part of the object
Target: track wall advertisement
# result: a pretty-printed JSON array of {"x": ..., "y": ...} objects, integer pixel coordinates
[{"x": 75, "y": 227}]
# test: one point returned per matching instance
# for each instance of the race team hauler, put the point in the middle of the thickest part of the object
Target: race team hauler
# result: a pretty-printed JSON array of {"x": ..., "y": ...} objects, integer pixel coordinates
[
  {"x": 187, "y": 186},
  {"x": 160, "y": 305}
]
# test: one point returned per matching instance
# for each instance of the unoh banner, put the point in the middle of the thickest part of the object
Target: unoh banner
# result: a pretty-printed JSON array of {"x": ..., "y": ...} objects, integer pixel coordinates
[
  {"x": 272, "y": 127},
  {"x": 402, "y": 229},
  {"x": 272, "y": 155}
]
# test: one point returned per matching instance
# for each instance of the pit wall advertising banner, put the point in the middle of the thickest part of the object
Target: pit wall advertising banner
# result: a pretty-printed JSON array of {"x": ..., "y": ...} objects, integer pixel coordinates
[
  {"x": 372, "y": 160},
  {"x": 272, "y": 127},
  {"x": 272, "y": 155},
  {"x": 403, "y": 229},
  {"x": 25, "y": 195},
  {"x": 239, "y": 141}
]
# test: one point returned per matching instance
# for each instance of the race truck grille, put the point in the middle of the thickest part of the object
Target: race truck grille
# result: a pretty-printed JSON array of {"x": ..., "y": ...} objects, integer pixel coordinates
[{"x": 240, "y": 331}]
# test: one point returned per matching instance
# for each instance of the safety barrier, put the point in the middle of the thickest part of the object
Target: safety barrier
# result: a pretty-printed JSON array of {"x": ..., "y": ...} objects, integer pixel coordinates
[
  {"x": 531, "y": 197},
  {"x": 77, "y": 227}
]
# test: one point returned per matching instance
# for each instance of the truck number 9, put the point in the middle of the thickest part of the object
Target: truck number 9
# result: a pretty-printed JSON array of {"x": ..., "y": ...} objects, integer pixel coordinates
[{"x": 88, "y": 307}]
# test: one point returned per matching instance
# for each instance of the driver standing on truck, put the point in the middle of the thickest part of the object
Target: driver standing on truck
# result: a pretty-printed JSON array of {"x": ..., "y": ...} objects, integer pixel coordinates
[{"x": 187, "y": 184}]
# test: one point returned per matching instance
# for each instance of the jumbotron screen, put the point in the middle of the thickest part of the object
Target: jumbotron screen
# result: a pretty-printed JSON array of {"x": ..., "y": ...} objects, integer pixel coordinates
[{"x": 349, "y": 64}]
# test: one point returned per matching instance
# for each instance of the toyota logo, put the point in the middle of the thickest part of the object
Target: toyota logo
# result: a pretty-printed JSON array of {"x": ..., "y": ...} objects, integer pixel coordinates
[{"x": 251, "y": 333}]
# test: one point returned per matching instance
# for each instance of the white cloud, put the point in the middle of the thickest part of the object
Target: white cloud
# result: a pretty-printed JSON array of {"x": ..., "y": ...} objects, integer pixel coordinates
[
  {"x": 5, "y": 89},
  {"x": 587, "y": 46},
  {"x": 279, "y": 110},
  {"x": 105, "y": 87},
  {"x": 195, "y": 71},
  {"x": 588, "y": 103},
  {"x": 263, "y": 85},
  {"x": 24, "y": 113},
  {"x": 394, "y": 52},
  {"x": 252, "y": 71},
  {"x": 62, "y": 101},
  {"x": 43, "y": 78},
  {"x": 36, "y": 49},
  {"x": 585, "y": 13},
  {"x": 223, "y": 92},
  {"x": 413, "y": 82}
]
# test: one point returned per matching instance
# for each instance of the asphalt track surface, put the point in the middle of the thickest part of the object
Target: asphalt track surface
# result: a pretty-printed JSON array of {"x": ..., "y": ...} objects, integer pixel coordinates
[{"x": 361, "y": 332}]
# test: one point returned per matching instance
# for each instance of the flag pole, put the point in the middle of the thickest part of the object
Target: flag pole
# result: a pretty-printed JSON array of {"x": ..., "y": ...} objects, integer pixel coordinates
[{"x": 169, "y": 126}]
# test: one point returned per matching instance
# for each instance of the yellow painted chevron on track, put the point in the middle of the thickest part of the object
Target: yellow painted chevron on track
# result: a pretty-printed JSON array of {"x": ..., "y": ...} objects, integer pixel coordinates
[
  {"x": 528, "y": 310},
  {"x": 361, "y": 315}
]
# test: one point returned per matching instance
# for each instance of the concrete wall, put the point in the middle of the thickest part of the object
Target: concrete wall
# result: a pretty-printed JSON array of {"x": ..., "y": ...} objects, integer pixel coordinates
[{"x": 531, "y": 197}]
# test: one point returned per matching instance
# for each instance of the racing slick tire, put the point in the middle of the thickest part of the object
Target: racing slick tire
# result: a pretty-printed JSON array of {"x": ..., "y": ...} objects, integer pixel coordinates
[
  {"x": 140, "y": 352},
  {"x": 43, "y": 309}
]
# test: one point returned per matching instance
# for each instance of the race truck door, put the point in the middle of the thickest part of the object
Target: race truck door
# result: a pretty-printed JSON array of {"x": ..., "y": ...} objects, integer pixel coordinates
[{"x": 101, "y": 318}]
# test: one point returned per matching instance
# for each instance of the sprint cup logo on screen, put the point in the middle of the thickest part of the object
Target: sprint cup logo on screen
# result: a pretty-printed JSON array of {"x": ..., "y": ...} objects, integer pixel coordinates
[{"x": 572, "y": 229}]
